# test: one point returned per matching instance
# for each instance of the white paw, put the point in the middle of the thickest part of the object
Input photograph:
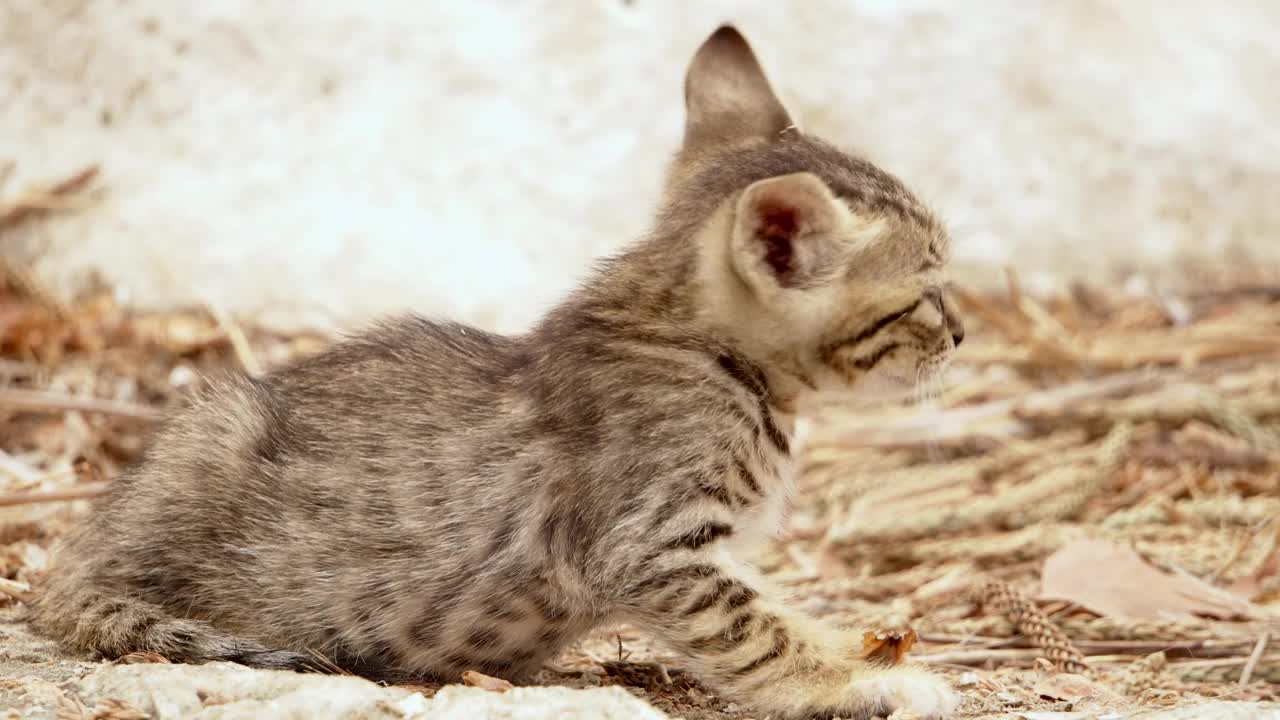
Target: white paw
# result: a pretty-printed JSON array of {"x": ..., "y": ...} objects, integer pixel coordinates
[{"x": 917, "y": 691}]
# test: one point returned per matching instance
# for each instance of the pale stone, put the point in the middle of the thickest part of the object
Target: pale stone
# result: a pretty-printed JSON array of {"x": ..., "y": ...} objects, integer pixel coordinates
[{"x": 472, "y": 159}]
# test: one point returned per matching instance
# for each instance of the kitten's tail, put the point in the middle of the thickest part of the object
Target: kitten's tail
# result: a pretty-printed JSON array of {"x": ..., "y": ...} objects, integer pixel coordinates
[
  {"x": 89, "y": 614},
  {"x": 112, "y": 625}
]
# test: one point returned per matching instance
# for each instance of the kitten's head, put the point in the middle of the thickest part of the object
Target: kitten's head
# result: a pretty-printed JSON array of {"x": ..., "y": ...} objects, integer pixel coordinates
[{"x": 815, "y": 260}]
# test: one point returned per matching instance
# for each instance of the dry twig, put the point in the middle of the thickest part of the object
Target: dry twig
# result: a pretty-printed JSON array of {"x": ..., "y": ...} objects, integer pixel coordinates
[
  {"x": 43, "y": 200},
  {"x": 1252, "y": 663},
  {"x": 52, "y": 402},
  {"x": 82, "y": 491}
]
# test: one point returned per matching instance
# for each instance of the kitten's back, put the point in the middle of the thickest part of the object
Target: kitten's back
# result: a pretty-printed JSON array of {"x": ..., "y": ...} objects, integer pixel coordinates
[{"x": 262, "y": 498}]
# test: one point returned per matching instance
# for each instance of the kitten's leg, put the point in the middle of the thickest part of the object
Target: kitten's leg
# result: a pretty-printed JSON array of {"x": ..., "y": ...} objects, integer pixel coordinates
[{"x": 751, "y": 646}]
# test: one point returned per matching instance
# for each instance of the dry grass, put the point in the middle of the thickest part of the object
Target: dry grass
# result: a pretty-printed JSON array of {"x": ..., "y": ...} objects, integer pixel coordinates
[
  {"x": 1145, "y": 424},
  {"x": 65, "y": 194}
]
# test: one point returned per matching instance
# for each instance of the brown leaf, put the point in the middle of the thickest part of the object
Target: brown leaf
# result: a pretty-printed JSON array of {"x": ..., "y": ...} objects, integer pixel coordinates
[
  {"x": 471, "y": 678},
  {"x": 112, "y": 709},
  {"x": 1074, "y": 688},
  {"x": 425, "y": 690},
  {"x": 209, "y": 699},
  {"x": 70, "y": 708},
  {"x": 179, "y": 333},
  {"x": 141, "y": 658},
  {"x": 1255, "y": 587},
  {"x": 1115, "y": 581},
  {"x": 891, "y": 647}
]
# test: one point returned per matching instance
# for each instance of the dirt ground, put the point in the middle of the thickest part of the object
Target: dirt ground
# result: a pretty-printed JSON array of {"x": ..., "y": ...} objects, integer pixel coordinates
[{"x": 1084, "y": 519}]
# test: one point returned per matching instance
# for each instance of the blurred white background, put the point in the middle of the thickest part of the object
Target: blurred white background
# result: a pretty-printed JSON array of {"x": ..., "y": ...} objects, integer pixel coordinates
[{"x": 318, "y": 163}]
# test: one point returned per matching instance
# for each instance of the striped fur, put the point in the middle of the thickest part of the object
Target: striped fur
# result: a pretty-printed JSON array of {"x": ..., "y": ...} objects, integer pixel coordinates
[{"x": 426, "y": 498}]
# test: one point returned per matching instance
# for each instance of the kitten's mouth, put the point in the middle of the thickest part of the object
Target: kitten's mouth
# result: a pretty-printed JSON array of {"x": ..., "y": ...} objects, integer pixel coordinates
[
  {"x": 931, "y": 370},
  {"x": 927, "y": 370},
  {"x": 898, "y": 379}
]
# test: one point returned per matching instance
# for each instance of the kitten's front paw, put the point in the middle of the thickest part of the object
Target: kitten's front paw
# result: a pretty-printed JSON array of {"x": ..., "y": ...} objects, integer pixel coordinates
[{"x": 916, "y": 690}]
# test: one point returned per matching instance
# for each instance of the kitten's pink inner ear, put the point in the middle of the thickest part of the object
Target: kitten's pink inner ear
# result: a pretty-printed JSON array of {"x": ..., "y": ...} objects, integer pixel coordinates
[
  {"x": 777, "y": 229},
  {"x": 783, "y": 229}
]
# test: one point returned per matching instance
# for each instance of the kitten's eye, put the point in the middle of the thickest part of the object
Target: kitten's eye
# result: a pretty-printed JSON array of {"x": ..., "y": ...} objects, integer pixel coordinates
[{"x": 933, "y": 295}]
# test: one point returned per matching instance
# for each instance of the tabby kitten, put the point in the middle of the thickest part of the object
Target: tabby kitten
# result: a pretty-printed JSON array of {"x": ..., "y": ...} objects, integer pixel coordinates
[{"x": 427, "y": 498}]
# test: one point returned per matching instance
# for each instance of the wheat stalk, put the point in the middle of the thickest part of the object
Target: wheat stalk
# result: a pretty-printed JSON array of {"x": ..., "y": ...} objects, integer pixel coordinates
[{"x": 1031, "y": 621}]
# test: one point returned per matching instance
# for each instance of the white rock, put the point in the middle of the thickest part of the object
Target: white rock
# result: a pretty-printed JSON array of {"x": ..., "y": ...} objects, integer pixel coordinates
[
  {"x": 226, "y": 691},
  {"x": 452, "y": 157},
  {"x": 539, "y": 703}
]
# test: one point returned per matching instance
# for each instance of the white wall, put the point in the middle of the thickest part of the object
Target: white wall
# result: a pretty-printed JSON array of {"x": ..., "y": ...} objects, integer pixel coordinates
[{"x": 307, "y": 162}]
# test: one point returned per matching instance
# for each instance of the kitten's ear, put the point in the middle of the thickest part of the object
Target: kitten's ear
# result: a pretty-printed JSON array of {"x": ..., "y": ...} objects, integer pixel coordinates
[
  {"x": 727, "y": 95},
  {"x": 792, "y": 232}
]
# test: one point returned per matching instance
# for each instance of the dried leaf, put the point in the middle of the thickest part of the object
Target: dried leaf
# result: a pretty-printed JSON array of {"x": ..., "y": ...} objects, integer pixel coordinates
[
  {"x": 891, "y": 647},
  {"x": 1254, "y": 587},
  {"x": 1074, "y": 688},
  {"x": 70, "y": 708},
  {"x": 209, "y": 699},
  {"x": 1115, "y": 581},
  {"x": 141, "y": 658},
  {"x": 471, "y": 678},
  {"x": 112, "y": 709},
  {"x": 180, "y": 334},
  {"x": 15, "y": 589}
]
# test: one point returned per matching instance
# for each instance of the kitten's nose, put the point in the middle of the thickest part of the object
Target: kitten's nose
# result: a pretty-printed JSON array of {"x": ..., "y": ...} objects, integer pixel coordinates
[{"x": 954, "y": 323}]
